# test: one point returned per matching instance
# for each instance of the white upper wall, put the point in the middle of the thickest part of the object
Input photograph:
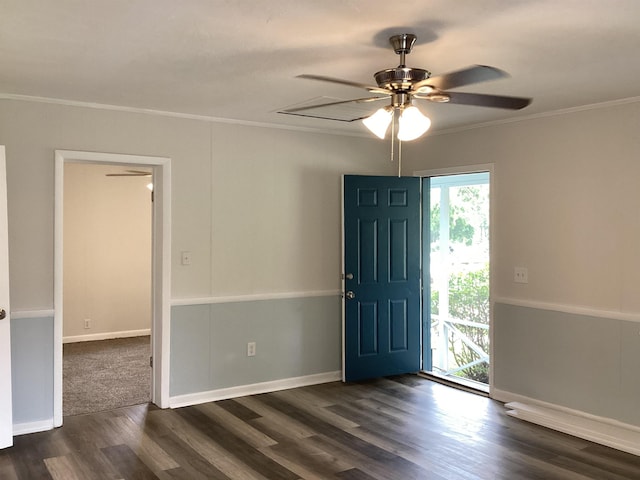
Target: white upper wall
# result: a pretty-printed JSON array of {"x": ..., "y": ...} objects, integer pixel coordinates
[
  {"x": 567, "y": 193},
  {"x": 259, "y": 208}
]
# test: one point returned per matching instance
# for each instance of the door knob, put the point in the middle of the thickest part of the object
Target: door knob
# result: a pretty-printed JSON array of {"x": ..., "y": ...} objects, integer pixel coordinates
[
  {"x": 350, "y": 295},
  {"x": 349, "y": 276},
  {"x": 3, "y": 314}
]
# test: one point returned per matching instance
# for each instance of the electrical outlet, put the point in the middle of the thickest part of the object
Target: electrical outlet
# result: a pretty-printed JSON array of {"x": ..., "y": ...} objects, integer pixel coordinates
[
  {"x": 185, "y": 258},
  {"x": 87, "y": 323},
  {"x": 520, "y": 275},
  {"x": 251, "y": 349}
]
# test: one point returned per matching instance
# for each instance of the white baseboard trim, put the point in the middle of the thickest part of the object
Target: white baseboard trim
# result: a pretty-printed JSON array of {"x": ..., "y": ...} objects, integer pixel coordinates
[
  {"x": 32, "y": 427},
  {"x": 107, "y": 336},
  {"x": 602, "y": 430},
  {"x": 253, "y": 389}
]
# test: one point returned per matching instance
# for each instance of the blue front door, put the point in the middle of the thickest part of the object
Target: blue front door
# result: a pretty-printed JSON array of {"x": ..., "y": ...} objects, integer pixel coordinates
[{"x": 382, "y": 276}]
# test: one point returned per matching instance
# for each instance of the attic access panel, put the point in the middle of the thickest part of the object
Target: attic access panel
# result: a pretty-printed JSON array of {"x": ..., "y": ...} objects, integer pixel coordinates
[{"x": 345, "y": 112}]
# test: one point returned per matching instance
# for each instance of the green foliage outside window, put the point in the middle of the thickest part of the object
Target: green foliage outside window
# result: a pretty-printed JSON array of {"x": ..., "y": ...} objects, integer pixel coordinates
[{"x": 468, "y": 300}]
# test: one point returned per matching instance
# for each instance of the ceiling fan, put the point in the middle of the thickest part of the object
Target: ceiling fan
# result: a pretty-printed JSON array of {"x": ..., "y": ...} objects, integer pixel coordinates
[
  {"x": 403, "y": 84},
  {"x": 130, "y": 173}
]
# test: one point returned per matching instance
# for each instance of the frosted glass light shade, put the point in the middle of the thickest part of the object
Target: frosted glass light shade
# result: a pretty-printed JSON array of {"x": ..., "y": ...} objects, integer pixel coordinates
[
  {"x": 412, "y": 124},
  {"x": 379, "y": 122}
]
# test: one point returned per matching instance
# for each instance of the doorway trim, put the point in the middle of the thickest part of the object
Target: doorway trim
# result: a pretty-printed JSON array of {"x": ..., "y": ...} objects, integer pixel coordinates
[
  {"x": 161, "y": 268},
  {"x": 479, "y": 168}
]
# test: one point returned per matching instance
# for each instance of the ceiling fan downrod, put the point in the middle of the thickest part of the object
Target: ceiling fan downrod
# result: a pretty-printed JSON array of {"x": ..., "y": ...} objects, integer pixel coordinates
[{"x": 402, "y": 45}]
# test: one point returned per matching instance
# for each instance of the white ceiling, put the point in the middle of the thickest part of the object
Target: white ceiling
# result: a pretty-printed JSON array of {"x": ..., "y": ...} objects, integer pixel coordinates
[{"x": 237, "y": 59}]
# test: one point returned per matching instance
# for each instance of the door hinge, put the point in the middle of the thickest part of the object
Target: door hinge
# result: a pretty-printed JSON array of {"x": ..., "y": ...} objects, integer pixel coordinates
[{"x": 151, "y": 362}]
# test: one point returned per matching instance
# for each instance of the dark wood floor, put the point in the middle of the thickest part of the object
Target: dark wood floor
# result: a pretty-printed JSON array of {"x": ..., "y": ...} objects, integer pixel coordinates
[{"x": 397, "y": 428}]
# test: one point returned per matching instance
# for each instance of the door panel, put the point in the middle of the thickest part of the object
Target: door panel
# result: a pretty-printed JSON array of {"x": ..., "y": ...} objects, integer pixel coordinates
[
  {"x": 382, "y": 252},
  {"x": 6, "y": 421}
]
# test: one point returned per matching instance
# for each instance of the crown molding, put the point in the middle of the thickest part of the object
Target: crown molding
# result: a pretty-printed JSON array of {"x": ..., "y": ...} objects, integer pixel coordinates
[
  {"x": 187, "y": 116},
  {"x": 536, "y": 116},
  {"x": 248, "y": 123}
]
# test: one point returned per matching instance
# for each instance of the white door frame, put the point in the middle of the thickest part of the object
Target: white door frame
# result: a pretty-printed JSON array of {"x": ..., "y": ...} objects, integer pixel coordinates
[
  {"x": 485, "y": 167},
  {"x": 6, "y": 409},
  {"x": 161, "y": 268}
]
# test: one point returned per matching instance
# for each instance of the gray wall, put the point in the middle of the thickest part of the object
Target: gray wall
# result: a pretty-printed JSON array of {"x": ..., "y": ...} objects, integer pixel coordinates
[
  {"x": 258, "y": 208},
  {"x": 582, "y": 362},
  {"x": 32, "y": 369},
  {"x": 294, "y": 337},
  {"x": 566, "y": 191}
]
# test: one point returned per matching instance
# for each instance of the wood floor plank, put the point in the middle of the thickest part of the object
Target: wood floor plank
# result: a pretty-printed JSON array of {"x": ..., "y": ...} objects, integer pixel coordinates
[
  {"x": 128, "y": 464},
  {"x": 396, "y": 428},
  {"x": 62, "y": 468},
  {"x": 203, "y": 445},
  {"x": 354, "y": 474},
  {"x": 7, "y": 471},
  {"x": 609, "y": 459},
  {"x": 236, "y": 446},
  {"x": 154, "y": 456},
  {"x": 243, "y": 413},
  {"x": 271, "y": 418},
  {"x": 301, "y": 470},
  {"x": 244, "y": 430},
  {"x": 308, "y": 403},
  {"x": 27, "y": 459},
  {"x": 312, "y": 459},
  {"x": 345, "y": 439},
  {"x": 420, "y": 456},
  {"x": 192, "y": 465},
  {"x": 384, "y": 467},
  {"x": 94, "y": 465}
]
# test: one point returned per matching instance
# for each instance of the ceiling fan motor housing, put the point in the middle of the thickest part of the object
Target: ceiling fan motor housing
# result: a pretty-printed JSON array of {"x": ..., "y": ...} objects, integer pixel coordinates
[{"x": 401, "y": 78}]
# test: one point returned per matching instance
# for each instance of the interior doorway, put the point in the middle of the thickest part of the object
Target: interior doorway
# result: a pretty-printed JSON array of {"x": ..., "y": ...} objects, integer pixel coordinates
[
  {"x": 107, "y": 300},
  {"x": 160, "y": 265},
  {"x": 457, "y": 306}
]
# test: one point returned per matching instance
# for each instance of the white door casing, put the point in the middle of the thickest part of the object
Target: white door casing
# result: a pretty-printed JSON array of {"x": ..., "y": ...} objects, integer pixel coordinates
[
  {"x": 6, "y": 409},
  {"x": 161, "y": 268}
]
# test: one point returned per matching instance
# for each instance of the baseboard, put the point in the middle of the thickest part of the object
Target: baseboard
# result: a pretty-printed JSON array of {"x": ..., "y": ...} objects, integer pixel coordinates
[
  {"x": 602, "y": 430},
  {"x": 107, "y": 336},
  {"x": 32, "y": 427},
  {"x": 253, "y": 389}
]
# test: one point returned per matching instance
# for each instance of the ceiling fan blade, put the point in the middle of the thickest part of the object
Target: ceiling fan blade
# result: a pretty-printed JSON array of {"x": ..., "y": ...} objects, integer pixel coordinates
[
  {"x": 330, "y": 104},
  {"x": 460, "y": 78},
  {"x": 349, "y": 83},
  {"x": 482, "y": 100}
]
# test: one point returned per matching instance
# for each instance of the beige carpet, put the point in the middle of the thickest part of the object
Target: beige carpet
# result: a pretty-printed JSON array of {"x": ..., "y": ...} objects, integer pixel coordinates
[{"x": 105, "y": 374}]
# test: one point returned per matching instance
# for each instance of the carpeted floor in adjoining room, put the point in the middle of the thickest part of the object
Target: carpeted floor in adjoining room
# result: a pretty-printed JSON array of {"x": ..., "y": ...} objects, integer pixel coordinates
[{"x": 105, "y": 374}]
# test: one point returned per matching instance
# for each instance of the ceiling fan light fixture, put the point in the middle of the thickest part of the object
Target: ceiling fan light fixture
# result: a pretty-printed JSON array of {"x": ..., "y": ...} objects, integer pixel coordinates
[
  {"x": 439, "y": 97},
  {"x": 379, "y": 122},
  {"x": 412, "y": 124},
  {"x": 425, "y": 89}
]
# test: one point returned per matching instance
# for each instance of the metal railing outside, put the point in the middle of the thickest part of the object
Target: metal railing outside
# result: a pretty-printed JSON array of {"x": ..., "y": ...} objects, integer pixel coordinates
[{"x": 448, "y": 329}]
